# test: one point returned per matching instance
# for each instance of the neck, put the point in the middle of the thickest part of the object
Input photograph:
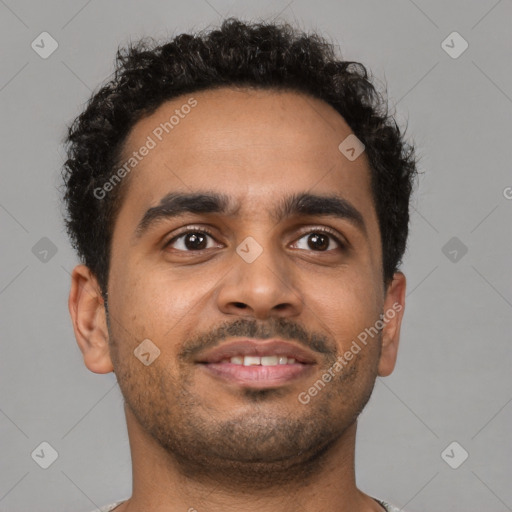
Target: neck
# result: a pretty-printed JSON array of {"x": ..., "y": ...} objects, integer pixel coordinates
[{"x": 162, "y": 483}]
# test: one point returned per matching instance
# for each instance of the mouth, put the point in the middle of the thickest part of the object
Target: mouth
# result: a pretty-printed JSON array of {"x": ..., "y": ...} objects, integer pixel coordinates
[{"x": 258, "y": 364}]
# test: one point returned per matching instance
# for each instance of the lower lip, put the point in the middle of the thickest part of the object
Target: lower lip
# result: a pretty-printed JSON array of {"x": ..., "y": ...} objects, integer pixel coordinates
[{"x": 257, "y": 376}]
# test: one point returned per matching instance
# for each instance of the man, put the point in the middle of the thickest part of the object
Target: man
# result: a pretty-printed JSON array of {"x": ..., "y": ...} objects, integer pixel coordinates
[{"x": 239, "y": 200}]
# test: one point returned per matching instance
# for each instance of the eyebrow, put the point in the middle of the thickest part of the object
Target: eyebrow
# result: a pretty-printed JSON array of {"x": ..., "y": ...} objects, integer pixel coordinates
[{"x": 176, "y": 204}]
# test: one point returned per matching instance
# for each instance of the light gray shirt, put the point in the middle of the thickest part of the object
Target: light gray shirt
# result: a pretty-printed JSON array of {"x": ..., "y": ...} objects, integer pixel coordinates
[{"x": 112, "y": 506}]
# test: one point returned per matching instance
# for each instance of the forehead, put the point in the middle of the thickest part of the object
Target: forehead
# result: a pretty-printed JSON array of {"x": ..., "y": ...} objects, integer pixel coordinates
[{"x": 252, "y": 145}]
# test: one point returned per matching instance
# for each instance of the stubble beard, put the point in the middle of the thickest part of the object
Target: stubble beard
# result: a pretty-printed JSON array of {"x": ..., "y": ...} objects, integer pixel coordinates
[{"x": 262, "y": 446}]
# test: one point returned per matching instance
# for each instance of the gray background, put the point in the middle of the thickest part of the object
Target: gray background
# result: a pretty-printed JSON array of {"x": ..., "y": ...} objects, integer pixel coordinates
[{"x": 453, "y": 379}]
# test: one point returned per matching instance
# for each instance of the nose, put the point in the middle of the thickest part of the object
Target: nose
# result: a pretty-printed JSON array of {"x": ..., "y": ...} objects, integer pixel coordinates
[{"x": 260, "y": 288}]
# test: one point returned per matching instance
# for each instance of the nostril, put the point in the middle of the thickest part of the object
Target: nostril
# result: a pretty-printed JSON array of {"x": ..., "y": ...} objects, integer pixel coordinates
[{"x": 240, "y": 305}]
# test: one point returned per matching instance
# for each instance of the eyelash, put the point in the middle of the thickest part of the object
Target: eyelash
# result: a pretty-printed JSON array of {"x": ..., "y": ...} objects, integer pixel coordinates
[{"x": 190, "y": 230}]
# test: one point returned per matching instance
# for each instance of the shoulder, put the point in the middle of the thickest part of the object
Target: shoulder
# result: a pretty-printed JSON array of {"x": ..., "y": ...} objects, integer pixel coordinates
[
  {"x": 109, "y": 508},
  {"x": 388, "y": 507}
]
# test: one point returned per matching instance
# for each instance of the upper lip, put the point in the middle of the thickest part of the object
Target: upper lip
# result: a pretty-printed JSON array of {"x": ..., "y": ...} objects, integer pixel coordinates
[{"x": 259, "y": 348}]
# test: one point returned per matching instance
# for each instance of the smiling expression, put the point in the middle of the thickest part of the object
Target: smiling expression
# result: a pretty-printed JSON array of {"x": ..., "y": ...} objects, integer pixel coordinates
[{"x": 245, "y": 224}]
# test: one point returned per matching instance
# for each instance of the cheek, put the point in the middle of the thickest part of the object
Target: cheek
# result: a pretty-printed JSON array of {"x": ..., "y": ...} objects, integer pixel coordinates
[
  {"x": 157, "y": 305},
  {"x": 144, "y": 292},
  {"x": 171, "y": 298},
  {"x": 346, "y": 307}
]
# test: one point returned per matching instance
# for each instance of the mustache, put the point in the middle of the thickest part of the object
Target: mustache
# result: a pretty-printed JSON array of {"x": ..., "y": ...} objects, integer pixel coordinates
[{"x": 245, "y": 328}]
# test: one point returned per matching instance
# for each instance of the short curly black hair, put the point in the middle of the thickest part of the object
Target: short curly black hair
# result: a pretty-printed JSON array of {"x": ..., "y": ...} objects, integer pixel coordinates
[{"x": 255, "y": 55}]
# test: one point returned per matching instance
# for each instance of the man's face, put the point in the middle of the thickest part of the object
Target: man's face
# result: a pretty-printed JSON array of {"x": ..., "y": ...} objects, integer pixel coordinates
[{"x": 191, "y": 294}]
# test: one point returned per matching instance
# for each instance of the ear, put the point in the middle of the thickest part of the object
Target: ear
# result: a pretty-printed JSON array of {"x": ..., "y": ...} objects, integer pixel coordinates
[
  {"x": 394, "y": 307},
  {"x": 87, "y": 310}
]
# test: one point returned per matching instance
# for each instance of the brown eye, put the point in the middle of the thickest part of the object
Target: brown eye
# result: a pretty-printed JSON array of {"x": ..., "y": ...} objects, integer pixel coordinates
[
  {"x": 320, "y": 240},
  {"x": 191, "y": 241}
]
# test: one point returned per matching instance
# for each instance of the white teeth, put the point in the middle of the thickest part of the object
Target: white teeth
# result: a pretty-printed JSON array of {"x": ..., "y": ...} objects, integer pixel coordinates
[
  {"x": 256, "y": 360},
  {"x": 252, "y": 360},
  {"x": 269, "y": 360}
]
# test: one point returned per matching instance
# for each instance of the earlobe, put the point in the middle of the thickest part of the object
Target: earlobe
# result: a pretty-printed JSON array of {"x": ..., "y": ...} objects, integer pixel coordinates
[
  {"x": 394, "y": 306},
  {"x": 87, "y": 310}
]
